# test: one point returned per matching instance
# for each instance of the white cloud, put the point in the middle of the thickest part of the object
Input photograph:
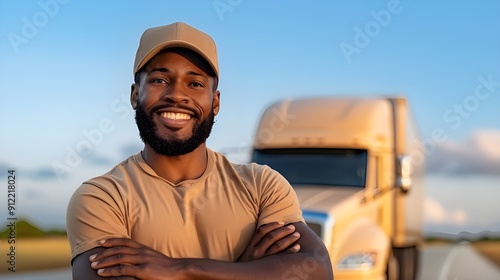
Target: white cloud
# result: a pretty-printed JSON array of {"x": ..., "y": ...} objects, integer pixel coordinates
[
  {"x": 435, "y": 213},
  {"x": 478, "y": 154},
  {"x": 486, "y": 143},
  {"x": 459, "y": 216},
  {"x": 456, "y": 203}
]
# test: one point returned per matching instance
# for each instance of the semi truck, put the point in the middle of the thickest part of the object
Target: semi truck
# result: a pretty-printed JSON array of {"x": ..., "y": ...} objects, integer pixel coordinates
[{"x": 357, "y": 167}]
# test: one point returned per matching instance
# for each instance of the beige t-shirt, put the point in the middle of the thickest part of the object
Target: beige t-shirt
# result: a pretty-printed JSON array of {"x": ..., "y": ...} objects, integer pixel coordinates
[{"x": 212, "y": 217}]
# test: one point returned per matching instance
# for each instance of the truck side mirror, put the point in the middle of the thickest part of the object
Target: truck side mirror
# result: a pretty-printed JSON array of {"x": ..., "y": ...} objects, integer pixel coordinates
[{"x": 404, "y": 170}]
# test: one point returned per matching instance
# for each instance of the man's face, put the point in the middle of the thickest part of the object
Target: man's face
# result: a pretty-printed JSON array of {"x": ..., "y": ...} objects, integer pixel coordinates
[{"x": 175, "y": 102}]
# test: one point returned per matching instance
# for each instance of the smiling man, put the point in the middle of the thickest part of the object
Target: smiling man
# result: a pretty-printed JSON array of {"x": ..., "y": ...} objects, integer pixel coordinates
[{"x": 178, "y": 210}]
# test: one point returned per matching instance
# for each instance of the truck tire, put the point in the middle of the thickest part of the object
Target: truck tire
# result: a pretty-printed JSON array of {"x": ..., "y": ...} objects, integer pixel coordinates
[
  {"x": 408, "y": 262},
  {"x": 392, "y": 270}
]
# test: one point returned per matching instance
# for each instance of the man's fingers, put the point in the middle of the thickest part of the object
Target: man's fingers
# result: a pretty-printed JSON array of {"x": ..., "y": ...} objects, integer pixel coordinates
[
  {"x": 112, "y": 242},
  {"x": 271, "y": 239},
  {"x": 294, "y": 249},
  {"x": 262, "y": 231},
  {"x": 115, "y": 260},
  {"x": 113, "y": 251},
  {"x": 266, "y": 229},
  {"x": 285, "y": 241},
  {"x": 119, "y": 270},
  {"x": 275, "y": 235},
  {"x": 116, "y": 246}
]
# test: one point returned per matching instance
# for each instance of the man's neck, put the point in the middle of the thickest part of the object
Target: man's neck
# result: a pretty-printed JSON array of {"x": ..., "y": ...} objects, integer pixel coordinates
[{"x": 178, "y": 168}]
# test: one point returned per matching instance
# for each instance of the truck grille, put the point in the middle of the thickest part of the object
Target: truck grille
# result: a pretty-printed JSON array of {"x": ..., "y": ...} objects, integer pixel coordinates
[
  {"x": 321, "y": 223},
  {"x": 315, "y": 227}
]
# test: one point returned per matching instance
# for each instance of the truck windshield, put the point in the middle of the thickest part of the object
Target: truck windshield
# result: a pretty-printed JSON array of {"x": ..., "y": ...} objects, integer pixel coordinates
[{"x": 317, "y": 166}]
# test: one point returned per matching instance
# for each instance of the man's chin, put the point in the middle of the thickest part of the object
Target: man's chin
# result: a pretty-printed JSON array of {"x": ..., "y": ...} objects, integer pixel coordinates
[
  {"x": 178, "y": 136},
  {"x": 173, "y": 145}
]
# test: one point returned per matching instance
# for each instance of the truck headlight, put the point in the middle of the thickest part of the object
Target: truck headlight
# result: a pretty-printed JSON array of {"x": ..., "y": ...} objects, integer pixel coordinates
[{"x": 361, "y": 261}]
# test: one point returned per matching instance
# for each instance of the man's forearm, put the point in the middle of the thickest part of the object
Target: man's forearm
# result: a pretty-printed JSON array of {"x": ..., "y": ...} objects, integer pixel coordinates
[
  {"x": 126, "y": 257},
  {"x": 315, "y": 266}
]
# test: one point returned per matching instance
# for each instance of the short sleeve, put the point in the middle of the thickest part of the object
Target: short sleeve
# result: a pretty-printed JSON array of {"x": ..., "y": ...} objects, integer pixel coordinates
[
  {"x": 94, "y": 213},
  {"x": 278, "y": 201}
]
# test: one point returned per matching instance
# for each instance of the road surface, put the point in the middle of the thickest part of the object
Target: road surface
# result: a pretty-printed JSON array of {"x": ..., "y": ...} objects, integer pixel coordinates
[{"x": 457, "y": 262}]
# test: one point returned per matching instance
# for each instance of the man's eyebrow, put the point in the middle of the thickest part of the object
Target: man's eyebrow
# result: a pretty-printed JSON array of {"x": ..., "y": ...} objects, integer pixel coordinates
[
  {"x": 165, "y": 70},
  {"x": 160, "y": 69},
  {"x": 193, "y": 73}
]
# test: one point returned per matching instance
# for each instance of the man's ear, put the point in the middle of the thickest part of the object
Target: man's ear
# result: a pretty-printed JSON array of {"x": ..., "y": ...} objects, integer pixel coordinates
[
  {"x": 216, "y": 102},
  {"x": 134, "y": 95}
]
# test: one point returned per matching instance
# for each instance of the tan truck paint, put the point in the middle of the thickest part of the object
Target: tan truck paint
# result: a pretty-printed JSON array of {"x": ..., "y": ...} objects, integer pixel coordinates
[{"x": 372, "y": 230}]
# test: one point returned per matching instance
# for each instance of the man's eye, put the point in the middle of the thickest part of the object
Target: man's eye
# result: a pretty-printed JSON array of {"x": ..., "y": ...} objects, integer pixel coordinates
[
  {"x": 196, "y": 84},
  {"x": 158, "y": 81}
]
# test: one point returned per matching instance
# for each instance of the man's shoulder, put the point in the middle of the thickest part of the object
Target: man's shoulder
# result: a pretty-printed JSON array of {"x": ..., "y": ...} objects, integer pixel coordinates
[
  {"x": 122, "y": 172},
  {"x": 242, "y": 169},
  {"x": 221, "y": 159}
]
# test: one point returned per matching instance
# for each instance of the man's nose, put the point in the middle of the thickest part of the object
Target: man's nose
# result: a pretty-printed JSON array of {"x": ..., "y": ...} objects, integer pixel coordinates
[{"x": 176, "y": 93}]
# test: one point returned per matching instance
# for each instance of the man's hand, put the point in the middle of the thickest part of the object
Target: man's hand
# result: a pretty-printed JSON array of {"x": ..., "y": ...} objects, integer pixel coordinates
[
  {"x": 270, "y": 239},
  {"x": 125, "y": 257},
  {"x": 122, "y": 258}
]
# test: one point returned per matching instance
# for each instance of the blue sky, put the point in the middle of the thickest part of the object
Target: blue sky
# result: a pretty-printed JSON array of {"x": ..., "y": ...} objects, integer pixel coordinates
[{"x": 66, "y": 70}]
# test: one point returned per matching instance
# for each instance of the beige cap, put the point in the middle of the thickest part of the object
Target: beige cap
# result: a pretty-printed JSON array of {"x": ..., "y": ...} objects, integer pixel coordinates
[{"x": 177, "y": 34}]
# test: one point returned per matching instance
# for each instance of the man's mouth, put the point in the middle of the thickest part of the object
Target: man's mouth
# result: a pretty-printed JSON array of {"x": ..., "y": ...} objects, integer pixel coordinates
[{"x": 175, "y": 116}]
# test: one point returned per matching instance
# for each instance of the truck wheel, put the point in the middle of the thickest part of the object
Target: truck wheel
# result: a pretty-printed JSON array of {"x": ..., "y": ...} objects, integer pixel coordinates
[
  {"x": 408, "y": 262},
  {"x": 392, "y": 268}
]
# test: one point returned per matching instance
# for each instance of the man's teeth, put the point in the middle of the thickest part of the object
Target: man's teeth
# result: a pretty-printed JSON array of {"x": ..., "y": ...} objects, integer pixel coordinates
[{"x": 175, "y": 116}]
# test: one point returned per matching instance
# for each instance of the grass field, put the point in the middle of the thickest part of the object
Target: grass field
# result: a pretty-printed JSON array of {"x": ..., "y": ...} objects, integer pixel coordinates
[
  {"x": 489, "y": 249},
  {"x": 36, "y": 254}
]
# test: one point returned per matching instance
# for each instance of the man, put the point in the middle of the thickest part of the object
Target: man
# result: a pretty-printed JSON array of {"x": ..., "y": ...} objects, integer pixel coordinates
[{"x": 178, "y": 210}]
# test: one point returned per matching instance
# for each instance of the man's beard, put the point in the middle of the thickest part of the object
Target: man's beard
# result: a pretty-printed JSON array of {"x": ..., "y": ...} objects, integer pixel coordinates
[{"x": 173, "y": 146}]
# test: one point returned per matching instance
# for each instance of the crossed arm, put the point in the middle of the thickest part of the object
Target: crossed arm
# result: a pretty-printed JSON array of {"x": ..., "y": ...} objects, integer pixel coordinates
[{"x": 274, "y": 252}]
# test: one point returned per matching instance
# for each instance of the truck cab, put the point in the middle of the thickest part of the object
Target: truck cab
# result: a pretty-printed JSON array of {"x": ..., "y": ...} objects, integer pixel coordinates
[{"x": 356, "y": 165}]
